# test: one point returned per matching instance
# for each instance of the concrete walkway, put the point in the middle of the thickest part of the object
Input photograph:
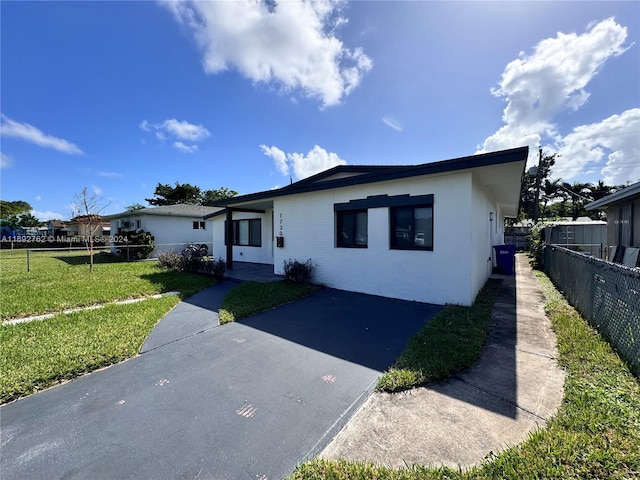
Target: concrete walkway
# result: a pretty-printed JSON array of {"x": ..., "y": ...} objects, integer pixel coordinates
[
  {"x": 514, "y": 389},
  {"x": 257, "y": 272}
]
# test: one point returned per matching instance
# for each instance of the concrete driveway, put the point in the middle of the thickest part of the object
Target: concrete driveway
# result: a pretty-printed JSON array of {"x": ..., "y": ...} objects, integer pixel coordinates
[{"x": 246, "y": 400}]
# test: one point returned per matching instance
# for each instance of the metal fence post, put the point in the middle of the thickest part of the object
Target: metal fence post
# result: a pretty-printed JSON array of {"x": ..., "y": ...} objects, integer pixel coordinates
[{"x": 28, "y": 261}]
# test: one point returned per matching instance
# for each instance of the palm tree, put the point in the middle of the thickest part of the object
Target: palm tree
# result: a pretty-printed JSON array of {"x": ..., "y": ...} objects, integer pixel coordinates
[
  {"x": 579, "y": 192},
  {"x": 600, "y": 190},
  {"x": 550, "y": 190}
]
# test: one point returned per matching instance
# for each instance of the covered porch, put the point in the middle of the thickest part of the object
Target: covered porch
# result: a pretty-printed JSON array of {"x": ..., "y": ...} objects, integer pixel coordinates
[{"x": 256, "y": 272}]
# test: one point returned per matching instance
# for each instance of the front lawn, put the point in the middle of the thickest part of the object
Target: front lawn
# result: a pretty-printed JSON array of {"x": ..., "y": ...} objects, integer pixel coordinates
[
  {"x": 61, "y": 280},
  {"x": 452, "y": 341},
  {"x": 36, "y": 355},
  {"x": 594, "y": 435}
]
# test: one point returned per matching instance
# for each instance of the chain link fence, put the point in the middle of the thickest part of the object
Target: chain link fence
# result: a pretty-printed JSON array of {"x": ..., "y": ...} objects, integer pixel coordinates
[
  {"x": 27, "y": 258},
  {"x": 606, "y": 294}
]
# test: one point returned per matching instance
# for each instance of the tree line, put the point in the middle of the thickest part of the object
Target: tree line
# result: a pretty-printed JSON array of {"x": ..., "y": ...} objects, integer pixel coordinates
[
  {"x": 186, "y": 193},
  {"x": 542, "y": 197},
  {"x": 17, "y": 214},
  {"x": 14, "y": 215}
]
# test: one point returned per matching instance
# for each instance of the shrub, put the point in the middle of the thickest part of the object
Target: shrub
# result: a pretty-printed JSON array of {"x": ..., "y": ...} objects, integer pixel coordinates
[
  {"x": 138, "y": 246},
  {"x": 298, "y": 272},
  {"x": 537, "y": 245},
  {"x": 216, "y": 267},
  {"x": 192, "y": 259},
  {"x": 171, "y": 260}
]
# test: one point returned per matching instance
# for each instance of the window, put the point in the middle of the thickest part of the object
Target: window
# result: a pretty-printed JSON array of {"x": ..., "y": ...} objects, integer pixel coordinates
[
  {"x": 351, "y": 228},
  {"x": 246, "y": 232},
  {"x": 138, "y": 223},
  {"x": 199, "y": 225},
  {"x": 412, "y": 227}
]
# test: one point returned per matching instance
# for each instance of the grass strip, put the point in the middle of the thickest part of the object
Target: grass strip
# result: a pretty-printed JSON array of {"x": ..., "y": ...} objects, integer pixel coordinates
[
  {"x": 594, "y": 435},
  {"x": 61, "y": 280},
  {"x": 451, "y": 342},
  {"x": 250, "y": 298},
  {"x": 39, "y": 354}
]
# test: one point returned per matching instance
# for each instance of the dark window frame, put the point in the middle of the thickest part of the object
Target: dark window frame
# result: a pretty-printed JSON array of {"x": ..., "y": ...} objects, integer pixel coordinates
[
  {"x": 341, "y": 217},
  {"x": 393, "y": 240},
  {"x": 199, "y": 225},
  {"x": 254, "y": 239}
]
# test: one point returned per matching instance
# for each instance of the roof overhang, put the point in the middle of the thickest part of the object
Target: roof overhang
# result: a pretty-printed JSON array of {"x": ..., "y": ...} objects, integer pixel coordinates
[
  {"x": 620, "y": 196},
  {"x": 499, "y": 172}
]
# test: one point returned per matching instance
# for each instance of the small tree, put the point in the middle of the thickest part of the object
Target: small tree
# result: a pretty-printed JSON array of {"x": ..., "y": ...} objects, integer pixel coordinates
[
  {"x": 86, "y": 211},
  {"x": 139, "y": 245}
]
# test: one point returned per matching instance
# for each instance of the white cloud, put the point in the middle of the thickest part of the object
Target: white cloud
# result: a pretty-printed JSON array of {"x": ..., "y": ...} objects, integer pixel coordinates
[
  {"x": 279, "y": 158},
  {"x": 552, "y": 79},
  {"x": 392, "y": 123},
  {"x": 178, "y": 130},
  {"x": 185, "y": 130},
  {"x": 110, "y": 174},
  {"x": 616, "y": 139},
  {"x": 303, "y": 166},
  {"x": 291, "y": 44},
  {"x": 96, "y": 190},
  {"x": 37, "y": 198},
  {"x": 29, "y": 133},
  {"x": 185, "y": 148},
  {"x": 45, "y": 215},
  {"x": 5, "y": 161}
]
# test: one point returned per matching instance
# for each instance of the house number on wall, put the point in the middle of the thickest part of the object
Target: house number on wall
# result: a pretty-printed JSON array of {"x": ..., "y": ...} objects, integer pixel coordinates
[{"x": 280, "y": 229}]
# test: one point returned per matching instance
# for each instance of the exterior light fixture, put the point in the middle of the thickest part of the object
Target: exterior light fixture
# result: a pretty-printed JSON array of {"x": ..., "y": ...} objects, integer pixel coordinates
[{"x": 491, "y": 216}]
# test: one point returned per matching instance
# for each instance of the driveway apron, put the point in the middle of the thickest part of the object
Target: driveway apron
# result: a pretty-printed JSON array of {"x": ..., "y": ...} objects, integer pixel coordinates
[{"x": 249, "y": 400}]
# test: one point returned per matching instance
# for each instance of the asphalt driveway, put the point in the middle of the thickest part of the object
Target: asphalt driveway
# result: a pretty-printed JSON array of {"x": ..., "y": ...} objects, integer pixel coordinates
[{"x": 249, "y": 400}]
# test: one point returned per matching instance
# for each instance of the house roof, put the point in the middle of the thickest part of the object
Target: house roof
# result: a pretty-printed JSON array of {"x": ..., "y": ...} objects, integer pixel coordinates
[
  {"x": 349, "y": 175},
  {"x": 178, "y": 210},
  {"x": 627, "y": 193},
  {"x": 57, "y": 223},
  {"x": 81, "y": 219}
]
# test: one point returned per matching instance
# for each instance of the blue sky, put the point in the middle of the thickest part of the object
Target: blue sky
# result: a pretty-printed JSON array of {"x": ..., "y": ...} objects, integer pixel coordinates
[{"x": 118, "y": 96}]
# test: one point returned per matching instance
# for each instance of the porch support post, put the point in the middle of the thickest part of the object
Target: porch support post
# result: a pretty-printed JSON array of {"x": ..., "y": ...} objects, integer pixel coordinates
[{"x": 229, "y": 237}]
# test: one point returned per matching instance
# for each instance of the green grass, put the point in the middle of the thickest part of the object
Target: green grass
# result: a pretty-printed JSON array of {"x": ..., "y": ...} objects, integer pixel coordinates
[
  {"x": 451, "y": 342},
  {"x": 36, "y": 355},
  {"x": 254, "y": 297},
  {"x": 594, "y": 435},
  {"x": 61, "y": 280}
]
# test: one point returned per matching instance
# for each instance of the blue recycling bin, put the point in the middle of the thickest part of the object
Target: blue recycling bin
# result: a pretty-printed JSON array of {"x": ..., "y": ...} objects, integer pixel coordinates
[{"x": 505, "y": 259}]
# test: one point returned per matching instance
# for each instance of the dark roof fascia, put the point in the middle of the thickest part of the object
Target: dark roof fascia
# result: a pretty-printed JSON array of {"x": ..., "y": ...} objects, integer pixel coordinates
[
  {"x": 616, "y": 197},
  {"x": 394, "y": 173},
  {"x": 361, "y": 169}
]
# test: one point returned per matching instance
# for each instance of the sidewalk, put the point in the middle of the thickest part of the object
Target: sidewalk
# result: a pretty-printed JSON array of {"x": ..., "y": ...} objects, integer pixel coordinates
[{"x": 514, "y": 389}]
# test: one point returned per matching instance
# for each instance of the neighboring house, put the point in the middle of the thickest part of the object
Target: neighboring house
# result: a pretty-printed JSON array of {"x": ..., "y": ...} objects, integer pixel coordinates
[
  {"x": 422, "y": 232},
  {"x": 57, "y": 228},
  {"x": 172, "y": 226},
  {"x": 79, "y": 227},
  {"x": 623, "y": 224}
]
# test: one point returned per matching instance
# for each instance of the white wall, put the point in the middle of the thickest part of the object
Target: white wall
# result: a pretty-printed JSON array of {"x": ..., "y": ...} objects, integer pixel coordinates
[
  {"x": 169, "y": 232},
  {"x": 443, "y": 275},
  {"x": 262, "y": 254},
  {"x": 487, "y": 230}
]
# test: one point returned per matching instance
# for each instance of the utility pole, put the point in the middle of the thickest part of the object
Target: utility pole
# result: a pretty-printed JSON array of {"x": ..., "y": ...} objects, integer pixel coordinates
[{"x": 536, "y": 205}]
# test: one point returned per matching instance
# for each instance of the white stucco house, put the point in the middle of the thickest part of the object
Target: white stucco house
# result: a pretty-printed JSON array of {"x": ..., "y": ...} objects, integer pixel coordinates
[
  {"x": 421, "y": 232},
  {"x": 173, "y": 226}
]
